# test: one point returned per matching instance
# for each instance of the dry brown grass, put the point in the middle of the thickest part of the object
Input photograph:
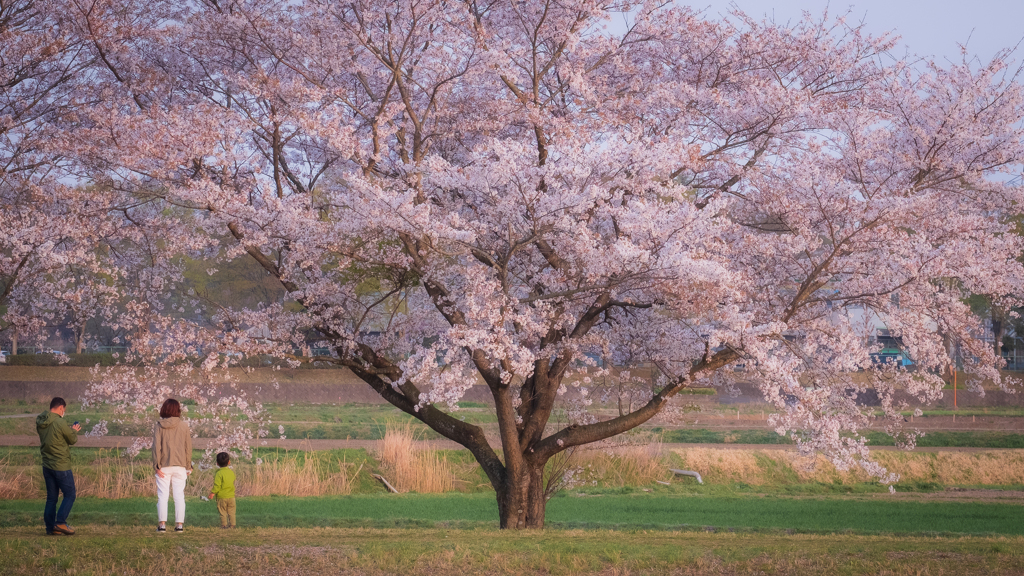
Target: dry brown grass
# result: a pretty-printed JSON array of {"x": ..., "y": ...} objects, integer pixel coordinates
[
  {"x": 290, "y": 477},
  {"x": 109, "y": 476},
  {"x": 996, "y": 467},
  {"x": 293, "y": 473},
  {"x": 628, "y": 465},
  {"x": 768, "y": 467},
  {"x": 16, "y": 482},
  {"x": 410, "y": 469},
  {"x": 724, "y": 466},
  {"x": 112, "y": 475}
]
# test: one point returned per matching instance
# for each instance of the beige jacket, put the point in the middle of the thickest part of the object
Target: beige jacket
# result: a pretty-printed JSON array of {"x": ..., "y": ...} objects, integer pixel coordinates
[{"x": 172, "y": 444}]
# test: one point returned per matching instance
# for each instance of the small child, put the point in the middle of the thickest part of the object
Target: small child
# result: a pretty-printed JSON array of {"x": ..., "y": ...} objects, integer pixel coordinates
[{"x": 224, "y": 490}]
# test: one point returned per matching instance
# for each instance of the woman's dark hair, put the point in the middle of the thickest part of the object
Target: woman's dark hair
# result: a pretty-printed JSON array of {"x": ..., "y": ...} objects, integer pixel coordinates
[
  {"x": 170, "y": 409},
  {"x": 223, "y": 459}
]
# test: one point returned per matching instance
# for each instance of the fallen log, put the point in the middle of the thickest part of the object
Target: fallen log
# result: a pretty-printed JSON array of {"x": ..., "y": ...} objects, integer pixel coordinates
[{"x": 385, "y": 483}]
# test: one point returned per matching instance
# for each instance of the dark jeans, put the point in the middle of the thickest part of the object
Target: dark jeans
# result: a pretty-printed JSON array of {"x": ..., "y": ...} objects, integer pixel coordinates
[{"x": 65, "y": 482}]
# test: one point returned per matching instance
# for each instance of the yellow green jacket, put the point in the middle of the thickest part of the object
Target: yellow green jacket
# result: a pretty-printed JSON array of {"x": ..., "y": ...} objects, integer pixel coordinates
[{"x": 224, "y": 483}]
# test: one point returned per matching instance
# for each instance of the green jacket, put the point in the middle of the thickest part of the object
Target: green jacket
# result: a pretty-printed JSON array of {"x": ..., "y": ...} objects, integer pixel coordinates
[
  {"x": 54, "y": 438},
  {"x": 224, "y": 484}
]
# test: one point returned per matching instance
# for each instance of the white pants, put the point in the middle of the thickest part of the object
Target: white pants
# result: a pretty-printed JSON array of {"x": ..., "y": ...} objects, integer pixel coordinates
[{"x": 172, "y": 482}]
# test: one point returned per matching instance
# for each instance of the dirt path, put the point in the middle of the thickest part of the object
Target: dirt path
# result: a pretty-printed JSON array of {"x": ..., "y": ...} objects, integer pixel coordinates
[{"x": 310, "y": 444}]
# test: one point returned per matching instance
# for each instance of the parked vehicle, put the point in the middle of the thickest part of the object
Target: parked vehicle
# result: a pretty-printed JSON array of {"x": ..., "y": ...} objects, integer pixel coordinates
[{"x": 892, "y": 355}]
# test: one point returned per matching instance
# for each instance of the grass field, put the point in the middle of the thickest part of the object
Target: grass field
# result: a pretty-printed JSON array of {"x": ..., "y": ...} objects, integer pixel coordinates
[
  {"x": 432, "y": 551},
  {"x": 656, "y": 510},
  {"x": 759, "y": 511},
  {"x": 300, "y": 420}
]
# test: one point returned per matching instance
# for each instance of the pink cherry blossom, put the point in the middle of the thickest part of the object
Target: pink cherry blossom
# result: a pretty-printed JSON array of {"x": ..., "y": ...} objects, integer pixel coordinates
[{"x": 453, "y": 194}]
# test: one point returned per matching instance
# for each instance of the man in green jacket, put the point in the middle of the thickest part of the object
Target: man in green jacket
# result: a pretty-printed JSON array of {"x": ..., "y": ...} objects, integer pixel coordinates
[{"x": 55, "y": 437}]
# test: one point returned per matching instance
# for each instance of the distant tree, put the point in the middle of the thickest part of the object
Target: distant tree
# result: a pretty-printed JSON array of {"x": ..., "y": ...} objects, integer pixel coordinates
[
  {"x": 459, "y": 192},
  {"x": 222, "y": 283},
  {"x": 985, "y": 306},
  {"x": 1000, "y": 310},
  {"x": 83, "y": 296}
]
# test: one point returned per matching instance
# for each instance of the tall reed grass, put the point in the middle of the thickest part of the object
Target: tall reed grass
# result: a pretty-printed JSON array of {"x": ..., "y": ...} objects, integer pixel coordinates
[
  {"x": 290, "y": 477},
  {"x": 17, "y": 481},
  {"x": 410, "y": 469},
  {"x": 113, "y": 475},
  {"x": 622, "y": 465}
]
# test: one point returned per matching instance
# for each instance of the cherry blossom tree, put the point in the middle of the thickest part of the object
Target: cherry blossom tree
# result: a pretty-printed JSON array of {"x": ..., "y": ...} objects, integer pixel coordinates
[
  {"x": 454, "y": 193},
  {"x": 47, "y": 224}
]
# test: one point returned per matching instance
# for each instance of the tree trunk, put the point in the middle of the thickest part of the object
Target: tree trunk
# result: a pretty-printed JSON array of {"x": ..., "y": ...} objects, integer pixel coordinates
[
  {"x": 14, "y": 343},
  {"x": 521, "y": 502},
  {"x": 997, "y": 331},
  {"x": 80, "y": 340}
]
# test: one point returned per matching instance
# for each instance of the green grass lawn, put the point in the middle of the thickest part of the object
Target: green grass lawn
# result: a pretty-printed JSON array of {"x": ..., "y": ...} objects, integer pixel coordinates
[
  {"x": 300, "y": 420},
  {"x": 657, "y": 511},
  {"x": 100, "y": 550},
  {"x": 958, "y": 439},
  {"x": 360, "y": 421}
]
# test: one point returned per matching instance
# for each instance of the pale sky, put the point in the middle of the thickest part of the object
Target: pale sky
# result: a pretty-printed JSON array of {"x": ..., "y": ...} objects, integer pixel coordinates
[{"x": 926, "y": 28}]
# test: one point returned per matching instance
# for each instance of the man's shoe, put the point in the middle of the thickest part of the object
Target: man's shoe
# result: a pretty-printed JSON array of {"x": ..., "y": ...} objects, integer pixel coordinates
[
  {"x": 64, "y": 529},
  {"x": 52, "y": 533}
]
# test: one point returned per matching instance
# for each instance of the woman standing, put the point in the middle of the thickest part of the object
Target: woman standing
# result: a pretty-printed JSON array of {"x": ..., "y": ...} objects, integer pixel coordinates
[{"x": 172, "y": 460}]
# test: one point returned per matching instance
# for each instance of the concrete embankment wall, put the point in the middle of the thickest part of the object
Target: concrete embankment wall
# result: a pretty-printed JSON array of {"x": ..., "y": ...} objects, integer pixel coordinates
[
  {"x": 358, "y": 393},
  {"x": 341, "y": 386}
]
